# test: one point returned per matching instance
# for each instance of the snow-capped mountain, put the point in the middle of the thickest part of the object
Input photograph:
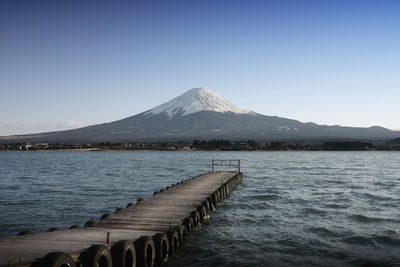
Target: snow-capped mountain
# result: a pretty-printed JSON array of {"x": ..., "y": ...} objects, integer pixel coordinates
[
  {"x": 202, "y": 114},
  {"x": 195, "y": 100}
]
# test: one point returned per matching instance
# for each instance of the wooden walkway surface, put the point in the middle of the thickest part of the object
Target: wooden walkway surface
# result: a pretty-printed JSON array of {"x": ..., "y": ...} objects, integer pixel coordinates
[{"x": 181, "y": 204}]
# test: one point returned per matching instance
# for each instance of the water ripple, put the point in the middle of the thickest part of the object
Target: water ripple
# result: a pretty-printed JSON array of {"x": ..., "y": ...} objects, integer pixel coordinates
[{"x": 292, "y": 208}]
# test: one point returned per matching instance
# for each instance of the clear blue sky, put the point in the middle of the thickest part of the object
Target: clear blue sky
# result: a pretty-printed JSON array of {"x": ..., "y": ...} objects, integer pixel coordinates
[{"x": 71, "y": 63}]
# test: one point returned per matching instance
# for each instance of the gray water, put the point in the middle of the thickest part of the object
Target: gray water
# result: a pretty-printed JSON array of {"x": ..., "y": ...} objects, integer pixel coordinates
[{"x": 292, "y": 208}]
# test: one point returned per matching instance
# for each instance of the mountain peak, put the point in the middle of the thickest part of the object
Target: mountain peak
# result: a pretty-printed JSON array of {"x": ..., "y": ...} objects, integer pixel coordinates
[{"x": 195, "y": 100}]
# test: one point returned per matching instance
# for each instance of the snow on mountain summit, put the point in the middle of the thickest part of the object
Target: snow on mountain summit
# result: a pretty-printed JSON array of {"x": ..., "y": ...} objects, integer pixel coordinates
[{"x": 194, "y": 100}]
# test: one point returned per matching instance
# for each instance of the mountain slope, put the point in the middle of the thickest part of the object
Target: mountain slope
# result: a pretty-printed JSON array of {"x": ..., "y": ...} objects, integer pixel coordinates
[
  {"x": 195, "y": 100},
  {"x": 201, "y": 114},
  {"x": 394, "y": 141}
]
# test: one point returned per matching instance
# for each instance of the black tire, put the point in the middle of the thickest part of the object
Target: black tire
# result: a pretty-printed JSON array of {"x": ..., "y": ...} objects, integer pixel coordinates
[
  {"x": 196, "y": 218},
  {"x": 118, "y": 210},
  {"x": 90, "y": 223},
  {"x": 104, "y": 216},
  {"x": 189, "y": 223},
  {"x": 203, "y": 212},
  {"x": 207, "y": 206},
  {"x": 53, "y": 229},
  {"x": 214, "y": 200},
  {"x": 145, "y": 251},
  {"x": 124, "y": 254},
  {"x": 227, "y": 189},
  {"x": 182, "y": 232},
  {"x": 210, "y": 203},
  {"x": 221, "y": 194},
  {"x": 57, "y": 259},
  {"x": 173, "y": 238},
  {"x": 216, "y": 195},
  {"x": 97, "y": 256},
  {"x": 26, "y": 232},
  {"x": 224, "y": 192},
  {"x": 161, "y": 245}
]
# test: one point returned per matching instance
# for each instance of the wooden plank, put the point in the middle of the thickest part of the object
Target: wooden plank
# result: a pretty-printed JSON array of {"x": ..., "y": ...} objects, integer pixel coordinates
[{"x": 147, "y": 217}]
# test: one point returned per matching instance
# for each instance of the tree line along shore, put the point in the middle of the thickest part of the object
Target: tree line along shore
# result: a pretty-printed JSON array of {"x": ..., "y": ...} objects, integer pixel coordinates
[{"x": 210, "y": 145}]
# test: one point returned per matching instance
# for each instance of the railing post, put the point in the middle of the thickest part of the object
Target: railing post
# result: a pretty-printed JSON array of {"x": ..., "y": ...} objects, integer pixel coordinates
[{"x": 225, "y": 162}]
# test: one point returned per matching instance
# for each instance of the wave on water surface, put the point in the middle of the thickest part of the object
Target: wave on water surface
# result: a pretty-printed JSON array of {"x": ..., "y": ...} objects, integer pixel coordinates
[{"x": 292, "y": 208}]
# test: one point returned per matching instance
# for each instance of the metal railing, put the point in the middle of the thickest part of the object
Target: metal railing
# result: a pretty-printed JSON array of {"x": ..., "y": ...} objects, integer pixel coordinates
[{"x": 226, "y": 162}]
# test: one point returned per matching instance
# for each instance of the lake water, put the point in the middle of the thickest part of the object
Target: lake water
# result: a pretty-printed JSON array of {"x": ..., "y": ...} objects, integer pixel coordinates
[{"x": 292, "y": 208}]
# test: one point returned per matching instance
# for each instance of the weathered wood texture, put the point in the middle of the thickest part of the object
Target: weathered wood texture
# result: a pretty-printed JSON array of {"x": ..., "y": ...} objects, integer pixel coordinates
[{"x": 156, "y": 214}]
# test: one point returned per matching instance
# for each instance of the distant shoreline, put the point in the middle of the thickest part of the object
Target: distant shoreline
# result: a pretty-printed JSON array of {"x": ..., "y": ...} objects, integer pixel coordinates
[
  {"x": 204, "y": 150},
  {"x": 210, "y": 145}
]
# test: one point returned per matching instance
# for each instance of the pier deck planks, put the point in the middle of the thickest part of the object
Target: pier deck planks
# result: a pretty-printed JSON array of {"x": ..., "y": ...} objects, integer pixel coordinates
[{"x": 148, "y": 217}]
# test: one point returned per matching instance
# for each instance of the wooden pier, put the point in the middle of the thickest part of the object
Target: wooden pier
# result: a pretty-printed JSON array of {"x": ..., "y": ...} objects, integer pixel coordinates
[{"x": 144, "y": 233}]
